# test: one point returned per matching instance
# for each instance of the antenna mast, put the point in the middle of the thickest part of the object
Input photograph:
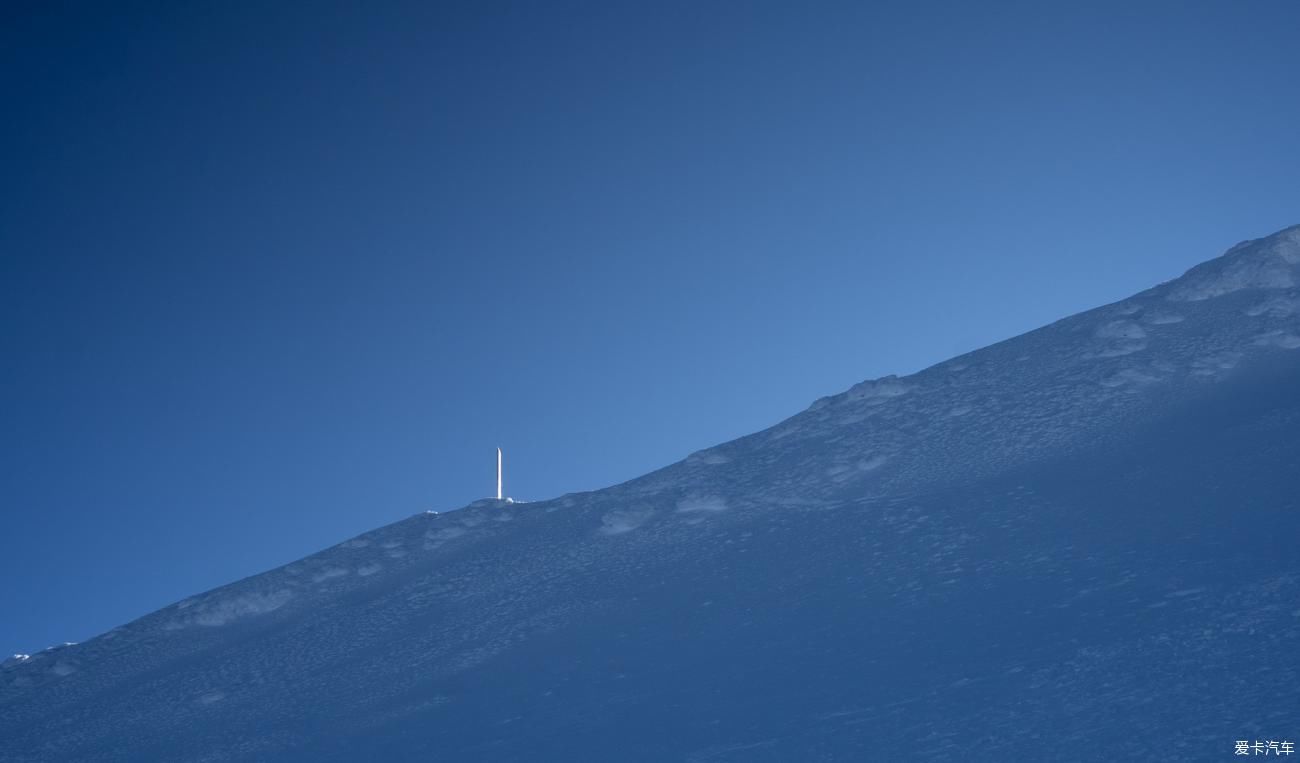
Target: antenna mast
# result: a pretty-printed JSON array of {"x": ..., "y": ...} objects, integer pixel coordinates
[{"x": 498, "y": 474}]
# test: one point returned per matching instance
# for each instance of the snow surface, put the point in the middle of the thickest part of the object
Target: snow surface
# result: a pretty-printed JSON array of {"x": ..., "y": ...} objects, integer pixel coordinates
[{"x": 1077, "y": 544}]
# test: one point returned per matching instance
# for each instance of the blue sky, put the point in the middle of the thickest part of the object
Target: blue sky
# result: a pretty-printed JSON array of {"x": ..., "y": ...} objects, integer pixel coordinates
[{"x": 274, "y": 276}]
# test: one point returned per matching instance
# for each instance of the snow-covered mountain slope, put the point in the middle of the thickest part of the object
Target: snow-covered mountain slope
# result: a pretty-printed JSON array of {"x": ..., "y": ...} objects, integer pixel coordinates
[{"x": 1078, "y": 544}]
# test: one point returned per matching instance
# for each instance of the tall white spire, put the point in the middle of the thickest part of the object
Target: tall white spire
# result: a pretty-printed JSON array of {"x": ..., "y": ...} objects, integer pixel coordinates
[{"x": 498, "y": 474}]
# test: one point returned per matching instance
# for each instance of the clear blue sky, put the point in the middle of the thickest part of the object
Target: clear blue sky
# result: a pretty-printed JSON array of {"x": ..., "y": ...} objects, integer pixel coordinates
[{"x": 276, "y": 274}]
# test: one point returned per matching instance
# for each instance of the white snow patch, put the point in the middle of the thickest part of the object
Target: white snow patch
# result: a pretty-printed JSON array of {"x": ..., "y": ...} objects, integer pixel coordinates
[
  {"x": 225, "y": 611},
  {"x": 845, "y": 472},
  {"x": 222, "y": 611},
  {"x": 785, "y": 430},
  {"x": 1121, "y": 330},
  {"x": 446, "y": 533},
  {"x": 439, "y": 537},
  {"x": 14, "y": 660},
  {"x": 1161, "y": 318},
  {"x": 1267, "y": 263},
  {"x": 1129, "y": 377},
  {"x": 1284, "y": 339},
  {"x": 1276, "y": 307},
  {"x": 623, "y": 520},
  {"x": 328, "y": 573},
  {"x": 694, "y": 504},
  {"x": 1120, "y": 338},
  {"x": 877, "y": 391},
  {"x": 1216, "y": 364}
]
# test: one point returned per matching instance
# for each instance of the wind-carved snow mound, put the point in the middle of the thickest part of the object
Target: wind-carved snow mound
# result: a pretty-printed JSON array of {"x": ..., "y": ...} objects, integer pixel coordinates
[
  {"x": 1276, "y": 307},
  {"x": 709, "y": 458},
  {"x": 445, "y": 534},
  {"x": 870, "y": 392},
  {"x": 1284, "y": 339},
  {"x": 877, "y": 391},
  {"x": 1266, "y": 263},
  {"x": 1158, "y": 318},
  {"x": 1120, "y": 338},
  {"x": 704, "y": 504},
  {"x": 1216, "y": 364},
  {"x": 623, "y": 520},
  {"x": 436, "y": 538},
  {"x": 224, "y": 611},
  {"x": 329, "y": 573},
  {"x": 846, "y": 472}
]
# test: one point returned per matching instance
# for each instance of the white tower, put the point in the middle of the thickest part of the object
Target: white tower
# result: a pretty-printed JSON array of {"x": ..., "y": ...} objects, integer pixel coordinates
[{"x": 498, "y": 474}]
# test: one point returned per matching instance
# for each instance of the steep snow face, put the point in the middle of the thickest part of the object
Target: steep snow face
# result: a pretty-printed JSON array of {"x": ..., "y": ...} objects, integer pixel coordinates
[{"x": 1077, "y": 544}]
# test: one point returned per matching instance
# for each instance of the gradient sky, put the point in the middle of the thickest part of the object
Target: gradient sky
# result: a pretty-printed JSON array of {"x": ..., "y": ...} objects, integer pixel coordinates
[{"x": 276, "y": 274}]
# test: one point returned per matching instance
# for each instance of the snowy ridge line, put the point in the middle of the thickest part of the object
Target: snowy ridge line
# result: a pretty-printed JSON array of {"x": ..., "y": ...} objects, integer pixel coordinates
[
  {"x": 1059, "y": 515},
  {"x": 1085, "y": 364}
]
